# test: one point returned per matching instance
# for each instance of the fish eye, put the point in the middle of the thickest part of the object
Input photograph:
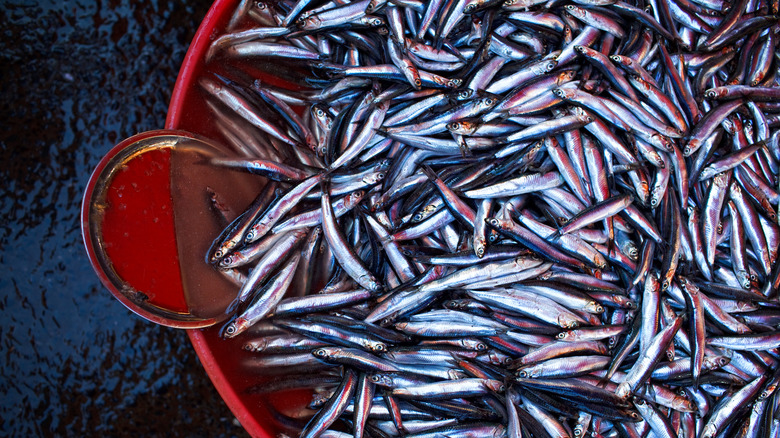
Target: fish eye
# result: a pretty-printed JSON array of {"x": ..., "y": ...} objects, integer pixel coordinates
[
  {"x": 561, "y": 335},
  {"x": 523, "y": 374},
  {"x": 380, "y": 348},
  {"x": 319, "y": 352}
]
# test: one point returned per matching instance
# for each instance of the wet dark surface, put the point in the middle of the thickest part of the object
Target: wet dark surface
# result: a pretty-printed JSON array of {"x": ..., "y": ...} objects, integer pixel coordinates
[{"x": 75, "y": 78}]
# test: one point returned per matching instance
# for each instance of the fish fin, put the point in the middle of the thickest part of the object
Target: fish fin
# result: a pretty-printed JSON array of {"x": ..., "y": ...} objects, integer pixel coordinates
[{"x": 552, "y": 218}]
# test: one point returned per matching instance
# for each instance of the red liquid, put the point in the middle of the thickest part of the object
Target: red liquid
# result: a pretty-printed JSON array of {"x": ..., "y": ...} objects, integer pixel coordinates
[
  {"x": 208, "y": 293},
  {"x": 139, "y": 211}
]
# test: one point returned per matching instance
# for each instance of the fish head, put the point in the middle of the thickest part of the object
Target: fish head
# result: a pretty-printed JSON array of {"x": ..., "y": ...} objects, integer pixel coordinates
[
  {"x": 623, "y": 390},
  {"x": 479, "y": 246},
  {"x": 355, "y": 197},
  {"x": 325, "y": 353},
  {"x": 715, "y": 362},
  {"x": 563, "y": 94},
  {"x": 234, "y": 328},
  {"x": 256, "y": 345},
  {"x": 526, "y": 373},
  {"x": 495, "y": 385},
  {"x": 381, "y": 379},
  {"x": 715, "y": 93},
  {"x": 374, "y": 177},
  {"x": 626, "y": 303},
  {"x": 566, "y": 322},
  {"x": 617, "y": 59},
  {"x": 310, "y": 23},
  {"x": 371, "y": 21},
  {"x": 377, "y": 347},
  {"x": 572, "y": 10},
  {"x": 744, "y": 278},
  {"x": 472, "y": 7},
  {"x": 594, "y": 307},
  {"x": 373, "y": 5},
  {"x": 493, "y": 222},
  {"x": 480, "y": 346}
]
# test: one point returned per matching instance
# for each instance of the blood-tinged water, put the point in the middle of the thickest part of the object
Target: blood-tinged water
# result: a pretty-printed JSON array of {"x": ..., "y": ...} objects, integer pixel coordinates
[{"x": 76, "y": 78}]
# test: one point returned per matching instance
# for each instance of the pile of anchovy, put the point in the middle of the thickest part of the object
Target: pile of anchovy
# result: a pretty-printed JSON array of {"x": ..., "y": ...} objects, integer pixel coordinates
[{"x": 547, "y": 218}]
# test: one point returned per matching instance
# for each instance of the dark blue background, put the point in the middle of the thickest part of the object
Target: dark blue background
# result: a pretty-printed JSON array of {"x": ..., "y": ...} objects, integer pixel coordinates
[{"x": 75, "y": 78}]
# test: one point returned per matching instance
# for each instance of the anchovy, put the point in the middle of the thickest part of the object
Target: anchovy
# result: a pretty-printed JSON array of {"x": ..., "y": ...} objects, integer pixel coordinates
[
  {"x": 265, "y": 301},
  {"x": 279, "y": 208},
  {"x": 450, "y": 389}
]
